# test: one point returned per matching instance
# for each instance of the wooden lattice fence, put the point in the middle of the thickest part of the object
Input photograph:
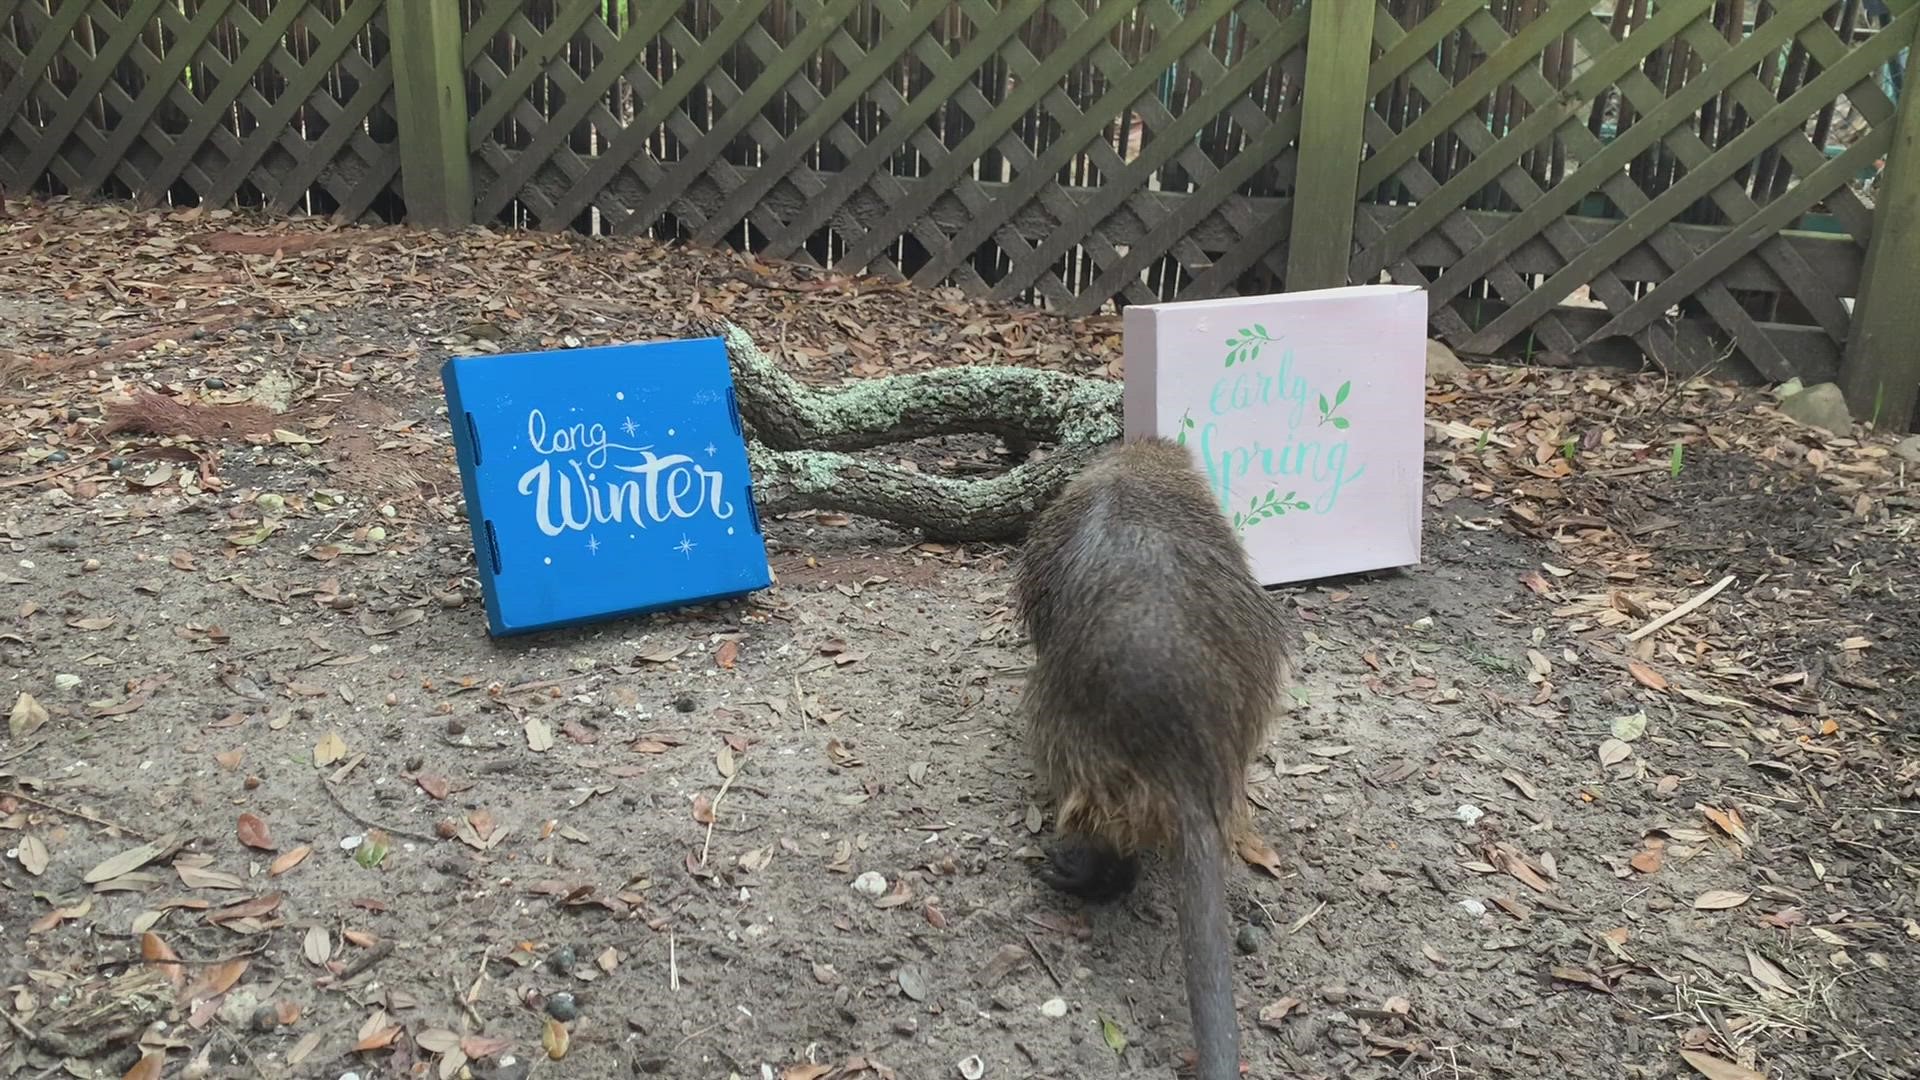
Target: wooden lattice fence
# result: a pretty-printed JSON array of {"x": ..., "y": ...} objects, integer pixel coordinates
[{"x": 1676, "y": 178}]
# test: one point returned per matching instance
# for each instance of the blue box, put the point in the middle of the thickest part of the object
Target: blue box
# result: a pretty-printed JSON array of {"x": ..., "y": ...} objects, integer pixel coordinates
[{"x": 604, "y": 482}]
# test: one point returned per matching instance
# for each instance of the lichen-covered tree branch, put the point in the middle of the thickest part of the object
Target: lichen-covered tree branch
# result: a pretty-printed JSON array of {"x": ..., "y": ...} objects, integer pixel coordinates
[{"x": 798, "y": 438}]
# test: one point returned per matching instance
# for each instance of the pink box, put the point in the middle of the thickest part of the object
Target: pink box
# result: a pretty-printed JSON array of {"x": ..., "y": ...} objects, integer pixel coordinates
[{"x": 1306, "y": 412}]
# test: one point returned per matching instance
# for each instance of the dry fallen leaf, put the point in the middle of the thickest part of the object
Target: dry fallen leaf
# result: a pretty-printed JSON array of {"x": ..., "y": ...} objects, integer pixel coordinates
[
  {"x": 554, "y": 1038},
  {"x": 27, "y": 716},
  {"x": 289, "y": 860},
  {"x": 1721, "y": 899},
  {"x": 1729, "y": 822},
  {"x": 33, "y": 855},
  {"x": 1646, "y": 676},
  {"x": 317, "y": 945},
  {"x": 1647, "y": 862},
  {"x": 148, "y": 1067},
  {"x": 127, "y": 861},
  {"x": 253, "y": 832},
  {"x": 1255, "y": 850},
  {"x": 1613, "y": 752},
  {"x": 539, "y": 735},
  {"x": 329, "y": 750},
  {"x": 1714, "y": 1068}
]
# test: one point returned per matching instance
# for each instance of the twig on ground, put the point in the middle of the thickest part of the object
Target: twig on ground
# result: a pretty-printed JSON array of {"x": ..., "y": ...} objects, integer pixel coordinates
[
  {"x": 102, "y": 822},
  {"x": 1683, "y": 610},
  {"x": 367, "y": 823}
]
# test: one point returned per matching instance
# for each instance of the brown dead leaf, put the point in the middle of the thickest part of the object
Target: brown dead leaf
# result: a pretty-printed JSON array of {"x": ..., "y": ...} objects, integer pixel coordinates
[
  {"x": 1255, "y": 851},
  {"x": 1714, "y": 1068},
  {"x": 33, "y": 855},
  {"x": 1272, "y": 1015},
  {"x": 1647, "y": 862},
  {"x": 435, "y": 786},
  {"x": 1646, "y": 676},
  {"x": 479, "y": 1047},
  {"x": 727, "y": 654},
  {"x": 217, "y": 979},
  {"x": 154, "y": 950},
  {"x": 1729, "y": 822},
  {"x": 97, "y": 622},
  {"x": 127, "y": 861},
  {"x": 253, "y": 832},
  {"x": 1720, "y": 899},
  {"x": 229, "y": 759},
  {"x": 27, "y": 717},
  {"x": 554, "y": 1037},
  {"x": 702, "y": 809},
  {"x": 148, "y": 1067},
  {"x": 329, "y": 750},
  {"x": 800, "y": 1072},
  {"x": 289, "y": 860}
]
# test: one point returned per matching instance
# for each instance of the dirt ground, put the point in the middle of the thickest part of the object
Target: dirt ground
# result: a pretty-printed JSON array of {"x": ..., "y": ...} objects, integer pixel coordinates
[{"x": 273, "y": 803}]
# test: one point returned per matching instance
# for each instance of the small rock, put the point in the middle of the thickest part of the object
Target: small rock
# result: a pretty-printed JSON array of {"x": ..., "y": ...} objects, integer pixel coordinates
[
  {"x": 972, "y": 1068},
  {"x": 1908, "y": 449},
  {"x": 64, "y": 543},
  {"x": 908, "y": 1027},
  {"x": 1474, "y": 907},
  {"x": 215, "y": 383},
  {"x": 651, "y": 1066},
  {"x": 65, "y": 681},
  {"x": 1250, "y": 940},
  {"x": 1054, "y": 1008},
  {"x": 1820, "y": 406},
  {"x": 1441, "y": 361},
  {"x": 237, "y": 1008},
  {"x": 1468, "y": 814},
  {"x": 1006, "y": 997},
  {"x": 456, "y": 726},
  {"x": 265, "y": 1018},
  {"x": 684, "y": 703},
  {"x": 562, "y": 960},
  {"x": 1335, "y": 994},
  {"x": 562, "y": 1007},
  {"x": 872, "y": 883},
  {"x": 56, "y": 457}
]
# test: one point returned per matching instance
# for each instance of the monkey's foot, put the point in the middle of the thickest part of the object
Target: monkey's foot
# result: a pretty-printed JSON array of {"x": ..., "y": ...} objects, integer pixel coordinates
[{"x": 1090, "y": 870}]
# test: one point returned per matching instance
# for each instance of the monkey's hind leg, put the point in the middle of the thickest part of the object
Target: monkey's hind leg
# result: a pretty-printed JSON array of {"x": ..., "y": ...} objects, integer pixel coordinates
[{"x": 1090, "y": 868}]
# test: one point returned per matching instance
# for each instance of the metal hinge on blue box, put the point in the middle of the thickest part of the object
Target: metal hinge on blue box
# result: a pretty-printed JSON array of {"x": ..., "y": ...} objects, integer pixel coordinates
[{"x": 604, "y": 482}]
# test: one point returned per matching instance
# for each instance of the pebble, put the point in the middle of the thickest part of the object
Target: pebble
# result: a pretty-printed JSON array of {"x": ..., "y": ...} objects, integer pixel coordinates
[
  {"x": 1250, "y": 940},
  {"x": 265, "y": 1018},
  {"x": 64, "y": 543},
  {"x": 1468, "y": 814},
  {"x": 116, "y": 463},
  {"x": 871, "y": 883},
  {"x": 216, "y": 383},
  {"x": 1054, "y": 1007},
  {"x": 65, "y": 681},
  {"x": 562, "y": 960},
  {"x": 684, "y": 703},
  {"x": 562, "y": 1007},
  {"x": 972, "y": 1068},
  {"x": 1335, "y": 994}
]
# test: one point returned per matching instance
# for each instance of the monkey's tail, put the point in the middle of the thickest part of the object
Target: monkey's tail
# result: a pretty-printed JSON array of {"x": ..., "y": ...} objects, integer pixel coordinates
[{"x": 1202, "y": 907}]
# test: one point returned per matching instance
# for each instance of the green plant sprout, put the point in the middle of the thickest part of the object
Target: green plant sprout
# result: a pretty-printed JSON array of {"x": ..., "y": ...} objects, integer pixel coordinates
[
  {"x": 1568, "y": 447},
  {"x": 1245, "y": 349},
  {"x": 1271, "y": 505},
  {"x": 1340, "y": 423},
  {"x": 1675, "y": 459}
]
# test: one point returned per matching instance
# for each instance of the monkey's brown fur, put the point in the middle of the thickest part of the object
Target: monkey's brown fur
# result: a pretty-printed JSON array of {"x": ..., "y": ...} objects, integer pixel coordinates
[{"x": 1159, "y": 662}]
